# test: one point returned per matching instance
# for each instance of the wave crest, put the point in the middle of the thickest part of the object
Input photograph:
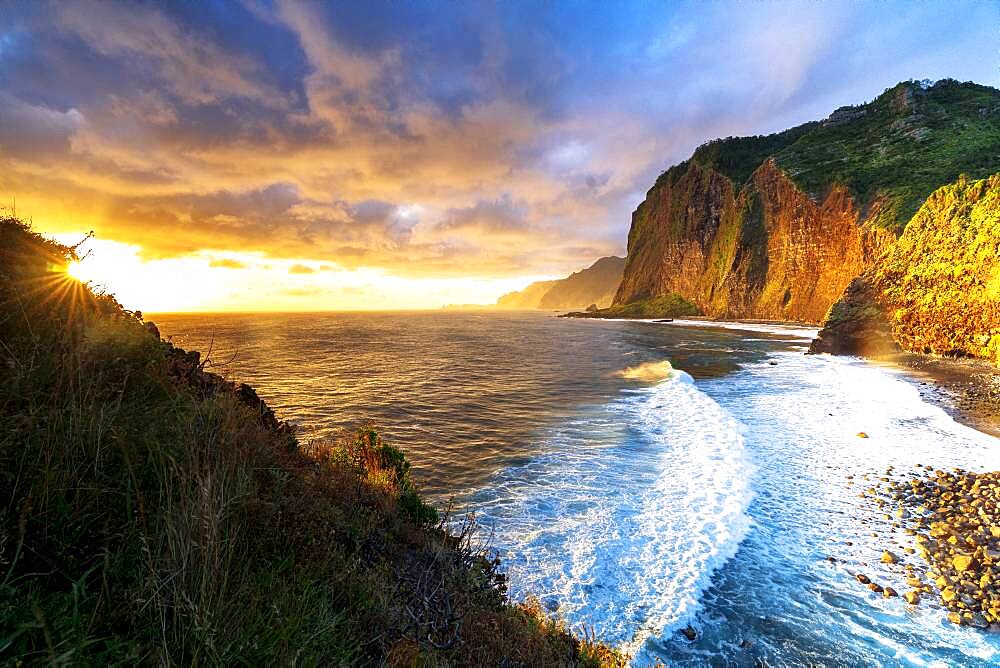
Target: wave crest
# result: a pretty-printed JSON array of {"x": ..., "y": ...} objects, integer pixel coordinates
[{"x": 654, "y": 372}]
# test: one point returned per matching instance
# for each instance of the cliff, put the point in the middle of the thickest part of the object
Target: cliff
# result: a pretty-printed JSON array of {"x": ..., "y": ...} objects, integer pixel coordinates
[
  {"x": 527, "y": 298},
  {"x": 766, "y": 251},
  {"x": 776, "y": 227},
  {"x": 935, "y": 291},
  {"x": 594, "y": 285}
]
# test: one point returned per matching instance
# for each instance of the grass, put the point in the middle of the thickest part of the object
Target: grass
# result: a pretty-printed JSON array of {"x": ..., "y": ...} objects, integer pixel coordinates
[{"x": 155, "y": 513}]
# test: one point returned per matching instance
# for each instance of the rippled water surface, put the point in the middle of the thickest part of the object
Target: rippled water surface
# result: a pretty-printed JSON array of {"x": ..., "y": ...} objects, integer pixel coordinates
[{"x": 640, "y": 476}]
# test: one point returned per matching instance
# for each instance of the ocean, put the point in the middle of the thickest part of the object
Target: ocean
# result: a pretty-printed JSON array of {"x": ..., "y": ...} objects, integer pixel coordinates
[{"x": 639, "y": 477}]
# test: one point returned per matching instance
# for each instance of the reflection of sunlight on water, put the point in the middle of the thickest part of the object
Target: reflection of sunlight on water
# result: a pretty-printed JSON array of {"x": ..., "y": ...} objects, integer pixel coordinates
[{"x": 464, "y": 394}]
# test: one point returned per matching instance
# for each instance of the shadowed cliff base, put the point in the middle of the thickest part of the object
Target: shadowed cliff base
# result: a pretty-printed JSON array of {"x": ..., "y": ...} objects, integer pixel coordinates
[
  {"x": 156, "y": 513},
  {"x": 856, "y": 325}
]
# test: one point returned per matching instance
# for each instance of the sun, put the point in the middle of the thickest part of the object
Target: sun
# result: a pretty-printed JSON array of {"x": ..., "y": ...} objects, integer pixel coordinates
[
  {"x": 158, "y": 285},
  {"x": 75, "y": 269}
]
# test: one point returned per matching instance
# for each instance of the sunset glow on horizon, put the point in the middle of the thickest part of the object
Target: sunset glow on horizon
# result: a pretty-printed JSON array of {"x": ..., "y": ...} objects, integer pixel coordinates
[
  {"x": 305, "y": 156},
  {"x": 215, "y": 282}
]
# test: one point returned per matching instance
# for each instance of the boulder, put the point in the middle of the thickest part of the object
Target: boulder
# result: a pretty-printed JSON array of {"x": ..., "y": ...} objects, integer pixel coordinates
[{"x": 963, "y": 562}]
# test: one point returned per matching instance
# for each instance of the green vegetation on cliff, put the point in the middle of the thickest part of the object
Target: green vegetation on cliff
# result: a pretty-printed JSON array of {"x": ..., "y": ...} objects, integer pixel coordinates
[
  {"x": 890, "y": 153},
  {"x": 155, "y": 513},
  {"x": 664, "y": 306},
  {"x": 937, "y": 290},
  {"x": 738, "y": 157},
  {"x": 897, "y": 149}
]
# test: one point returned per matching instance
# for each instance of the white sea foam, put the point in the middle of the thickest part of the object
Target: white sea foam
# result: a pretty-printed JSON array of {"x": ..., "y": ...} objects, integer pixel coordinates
[
  {"x": 794, "y": 331},
  {"x": 803, "y": 332},
  {"x": 803, "y": 416},
  {"x": 655, "y": 372},
  {"x": 624, "y": 537}
]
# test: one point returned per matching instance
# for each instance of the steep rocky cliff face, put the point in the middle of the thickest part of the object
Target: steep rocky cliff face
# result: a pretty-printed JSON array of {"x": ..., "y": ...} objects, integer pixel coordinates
[
  {"x": 935, "y": 291},
  {"x": 594, "y": 285},
  {"x": 766, "y": 251},
  {"x": 777, "y": 227}
]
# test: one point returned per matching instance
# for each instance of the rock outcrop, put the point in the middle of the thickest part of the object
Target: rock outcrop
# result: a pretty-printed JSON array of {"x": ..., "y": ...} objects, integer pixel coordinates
[
  {"x": 937, "y": 290},
  {"x": 777, "y": 227}
]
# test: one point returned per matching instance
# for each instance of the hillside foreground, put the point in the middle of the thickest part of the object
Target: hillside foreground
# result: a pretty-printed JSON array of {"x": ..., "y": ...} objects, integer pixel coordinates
[{"x": 156, "y": 513}]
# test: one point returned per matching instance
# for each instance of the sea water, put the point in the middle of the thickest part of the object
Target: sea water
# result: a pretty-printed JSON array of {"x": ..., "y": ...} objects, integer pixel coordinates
[{"x": 639, "y": 477}]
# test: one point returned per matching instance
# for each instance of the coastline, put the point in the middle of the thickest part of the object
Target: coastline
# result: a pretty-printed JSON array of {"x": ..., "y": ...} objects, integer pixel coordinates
[{"x": 967, "y": 389}]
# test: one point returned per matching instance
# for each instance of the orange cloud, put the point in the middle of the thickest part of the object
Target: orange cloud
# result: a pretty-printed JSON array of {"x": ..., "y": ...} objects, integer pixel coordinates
[
  {"x": 226, "y": 263},
  {"x": 396, "y": 139}
]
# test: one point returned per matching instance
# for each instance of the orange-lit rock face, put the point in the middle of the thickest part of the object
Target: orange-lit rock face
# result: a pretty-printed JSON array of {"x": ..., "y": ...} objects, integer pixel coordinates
[
  {"x": 767, "y": 251},
  {"x": 937, "y": 290}
]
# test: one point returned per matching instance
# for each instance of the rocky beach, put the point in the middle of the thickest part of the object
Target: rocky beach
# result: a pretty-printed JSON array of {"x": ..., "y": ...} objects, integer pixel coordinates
[
  {"x": 938, "y": 528},
  {"x": 941, "y": 536},
  {"x": 968, "y": 389}
]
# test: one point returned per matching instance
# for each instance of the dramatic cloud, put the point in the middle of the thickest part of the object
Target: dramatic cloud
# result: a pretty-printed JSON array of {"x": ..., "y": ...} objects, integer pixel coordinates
[{"x": 419, "y": 140}]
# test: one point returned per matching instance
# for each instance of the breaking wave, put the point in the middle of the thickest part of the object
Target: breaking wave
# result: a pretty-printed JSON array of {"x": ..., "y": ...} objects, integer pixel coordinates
[
  {"x": 623, "y": 538},
  {"x": 654, "y": 372}
]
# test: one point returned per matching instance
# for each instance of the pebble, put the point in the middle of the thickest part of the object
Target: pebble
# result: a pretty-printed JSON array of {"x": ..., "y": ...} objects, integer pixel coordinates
[{"x": 954, "y": 519}]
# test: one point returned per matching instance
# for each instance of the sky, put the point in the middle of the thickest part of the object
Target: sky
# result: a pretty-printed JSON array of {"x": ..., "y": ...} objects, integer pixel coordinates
[{"x": 283, "y": 155}]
